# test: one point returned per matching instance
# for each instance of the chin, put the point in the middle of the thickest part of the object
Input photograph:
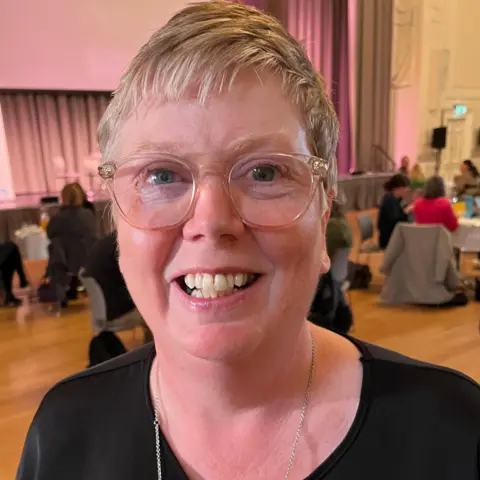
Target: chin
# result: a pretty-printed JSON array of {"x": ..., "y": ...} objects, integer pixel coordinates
[{"x": 219, "y": 341}]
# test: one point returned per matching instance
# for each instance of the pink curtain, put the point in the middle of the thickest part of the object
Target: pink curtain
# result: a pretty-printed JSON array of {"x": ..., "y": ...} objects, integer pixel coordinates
[
  {"x": 50, "y": 135},
  {"x": 323, "y": 27}
]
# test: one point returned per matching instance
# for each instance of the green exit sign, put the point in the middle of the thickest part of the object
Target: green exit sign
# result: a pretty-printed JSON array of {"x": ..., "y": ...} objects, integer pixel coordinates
[{"x": 460, "y": 109}]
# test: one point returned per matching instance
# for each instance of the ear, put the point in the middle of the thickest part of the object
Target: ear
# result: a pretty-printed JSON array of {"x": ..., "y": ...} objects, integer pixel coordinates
[{"x": 325, "y": 259}]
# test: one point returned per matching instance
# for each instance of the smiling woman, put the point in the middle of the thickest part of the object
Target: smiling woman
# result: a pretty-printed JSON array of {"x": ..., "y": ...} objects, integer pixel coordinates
[{"x": 219, "y": 156}]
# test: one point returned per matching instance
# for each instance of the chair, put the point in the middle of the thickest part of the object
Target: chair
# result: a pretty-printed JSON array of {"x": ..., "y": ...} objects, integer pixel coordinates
[
  {"x": 365, "y": 227},
  {"x": 99, "y": 308},
  {"x": 419, "y": 266}
]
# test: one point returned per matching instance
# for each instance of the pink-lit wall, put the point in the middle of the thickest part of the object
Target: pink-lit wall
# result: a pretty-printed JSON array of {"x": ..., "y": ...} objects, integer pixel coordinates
[
  {"x": 406, "y": 124},
  {"x": 74, "y": 44}
]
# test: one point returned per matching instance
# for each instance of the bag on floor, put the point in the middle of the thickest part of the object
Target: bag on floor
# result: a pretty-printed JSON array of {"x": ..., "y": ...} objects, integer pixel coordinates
[
  {"x": 103, "y": 347},
  {"x": 359, "y": 276},
  {"x": 329, "y": 307},
  {"x": 46, "y": 292}
]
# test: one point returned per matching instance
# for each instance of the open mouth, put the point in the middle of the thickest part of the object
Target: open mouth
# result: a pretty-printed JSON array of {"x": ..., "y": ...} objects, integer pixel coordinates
[{"x": 205, "y": 285}]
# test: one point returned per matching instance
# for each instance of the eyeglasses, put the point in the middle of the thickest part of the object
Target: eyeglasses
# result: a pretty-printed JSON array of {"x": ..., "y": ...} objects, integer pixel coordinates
[{"x": 267, "y": 190}]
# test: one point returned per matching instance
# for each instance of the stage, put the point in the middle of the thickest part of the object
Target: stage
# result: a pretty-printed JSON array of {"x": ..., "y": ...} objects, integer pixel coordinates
[
  {"x": 26, "y": 211},
  {"x": 361, "y": 192}
]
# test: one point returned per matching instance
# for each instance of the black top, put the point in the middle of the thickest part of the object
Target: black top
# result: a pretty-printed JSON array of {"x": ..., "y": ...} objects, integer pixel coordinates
[
  {"x": 103, "y": 267},
  {"x": 89, "y": 206},
  {"x": 390, "y": 213},
  {"x": 415, "y": 422}
]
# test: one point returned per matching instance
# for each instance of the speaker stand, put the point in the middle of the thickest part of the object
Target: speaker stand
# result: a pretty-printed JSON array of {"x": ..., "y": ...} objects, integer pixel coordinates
[{"x": 438, "y": 160}]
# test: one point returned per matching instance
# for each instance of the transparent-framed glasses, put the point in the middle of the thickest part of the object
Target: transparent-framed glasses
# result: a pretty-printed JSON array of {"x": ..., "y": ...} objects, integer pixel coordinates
[{"x": 266, "y": 190}]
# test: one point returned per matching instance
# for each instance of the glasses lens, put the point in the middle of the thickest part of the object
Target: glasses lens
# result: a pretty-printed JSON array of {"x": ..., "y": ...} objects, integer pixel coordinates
[
  {"x": 271, "y": 190},
  {"x": 154, "y": 194}
]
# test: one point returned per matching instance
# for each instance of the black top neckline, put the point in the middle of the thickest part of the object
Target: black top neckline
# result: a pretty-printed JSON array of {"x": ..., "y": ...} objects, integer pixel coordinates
[{"x": 332, "y": 459}]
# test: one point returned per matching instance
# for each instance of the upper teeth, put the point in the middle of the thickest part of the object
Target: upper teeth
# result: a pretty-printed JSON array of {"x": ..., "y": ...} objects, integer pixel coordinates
[{"x": 205, "y": 285}]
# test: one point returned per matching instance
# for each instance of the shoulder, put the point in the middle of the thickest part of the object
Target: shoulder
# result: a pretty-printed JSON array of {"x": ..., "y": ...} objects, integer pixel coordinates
[
  {"x": 419, "y": 202},
  {"x": 444, "y": 202},
  {"x": 437, "y": 392},
  {"x": 95, "y": 387}
]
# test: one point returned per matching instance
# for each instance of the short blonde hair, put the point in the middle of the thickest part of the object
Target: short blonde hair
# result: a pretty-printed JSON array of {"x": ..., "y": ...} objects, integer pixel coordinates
[{"x": 206, "y": 45}]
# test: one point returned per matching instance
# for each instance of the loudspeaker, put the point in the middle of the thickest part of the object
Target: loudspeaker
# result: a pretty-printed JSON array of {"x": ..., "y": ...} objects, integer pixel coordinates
[{"x": 439, "y": 138}]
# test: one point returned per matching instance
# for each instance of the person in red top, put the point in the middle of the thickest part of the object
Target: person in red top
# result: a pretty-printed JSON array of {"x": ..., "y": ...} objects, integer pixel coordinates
[{"x": 433, "y": 207}]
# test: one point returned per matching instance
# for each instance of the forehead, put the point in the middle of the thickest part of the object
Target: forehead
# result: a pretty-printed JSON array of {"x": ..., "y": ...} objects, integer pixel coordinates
[{"x": 255, "y": 110}]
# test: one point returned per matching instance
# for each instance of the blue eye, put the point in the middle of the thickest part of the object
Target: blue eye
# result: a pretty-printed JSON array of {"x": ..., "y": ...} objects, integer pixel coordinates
[
  {"x": 161, "y": 177},
  {"x": 264, "y": 173}
]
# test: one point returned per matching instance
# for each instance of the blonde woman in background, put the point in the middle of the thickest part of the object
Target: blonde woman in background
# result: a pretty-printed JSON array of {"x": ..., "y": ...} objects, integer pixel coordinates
[
  {"x": 417, "y": 177},
  {"x": 218, "y": 151}
]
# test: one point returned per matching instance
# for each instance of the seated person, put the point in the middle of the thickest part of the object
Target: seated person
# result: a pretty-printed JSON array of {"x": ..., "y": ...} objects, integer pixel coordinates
[
  {"x": 72, "y": 233},
  {"x": 434, "y": 208},
  {"x": 391, "y": 210},
  {"x": 103, "y": 267},
  {"x": 420, "y": 268},
  {"x": 11, "y": 262},
  {"x": 85, "y": 202},
  {"x": 405, "y": 166},
  {"x": 338, "y": 233},
  {"x": 468, "y": 182},
  {"x": 417, "y": 177}
]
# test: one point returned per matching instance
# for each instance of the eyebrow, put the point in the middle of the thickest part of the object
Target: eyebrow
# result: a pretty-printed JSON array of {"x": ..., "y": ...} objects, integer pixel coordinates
[
  {"x": 255, "y": 142},
  {"x": 239, "y": 146}
]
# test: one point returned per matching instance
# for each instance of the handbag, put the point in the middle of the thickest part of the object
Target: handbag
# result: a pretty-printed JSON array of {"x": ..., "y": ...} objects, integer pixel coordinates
[{"x": 46, "y": 292}]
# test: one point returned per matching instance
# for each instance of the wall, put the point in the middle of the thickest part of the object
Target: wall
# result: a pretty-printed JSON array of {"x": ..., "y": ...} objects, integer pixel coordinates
[
  {"x": 74, "y": 45},
  {"x": 435, "y": 66}
]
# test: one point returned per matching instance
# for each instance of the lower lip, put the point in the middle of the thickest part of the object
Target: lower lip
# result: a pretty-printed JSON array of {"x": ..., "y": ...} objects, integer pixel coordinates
[{"x": 222, "y": 303}]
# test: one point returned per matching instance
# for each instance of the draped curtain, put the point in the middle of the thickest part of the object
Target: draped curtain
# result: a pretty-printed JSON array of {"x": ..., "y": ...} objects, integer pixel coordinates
[
  {"x": 322, "y": 26},
  {"x": 49, "y": 136},
  {"x": 374, "y": 40}
]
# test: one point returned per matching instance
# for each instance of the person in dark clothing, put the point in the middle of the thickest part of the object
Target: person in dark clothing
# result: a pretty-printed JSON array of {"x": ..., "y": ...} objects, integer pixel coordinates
[
  {"x": 72, "y": 233},
  {"x": 409, "y": 411},
  {"x": 391, "y": 209},
  {"x": 11, "y": 262},
  {"x": 103, "y": 267},
  {"x": 85, "y": 202},
  {"x": 404, "y": 168}
]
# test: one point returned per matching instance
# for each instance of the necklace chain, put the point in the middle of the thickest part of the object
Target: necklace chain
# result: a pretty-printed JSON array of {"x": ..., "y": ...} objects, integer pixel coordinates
[{"x": 306, "y": 399}]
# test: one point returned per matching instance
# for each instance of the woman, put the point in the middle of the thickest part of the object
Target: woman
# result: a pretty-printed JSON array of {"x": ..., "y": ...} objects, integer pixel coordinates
[
  {"x": 405, "y": 166},
  {"x": 338, "y": 234},
  {"x": 221, "y": 231},
  {"x": 391, "y": 210},
  {"x": 11, "y": 262},
  {"x": 85, "y": 202},
  {"x": 433, "y": 207},
  {"x": 468, "y": 182},
  {"x": 72, "y": 233},
  {"x": 417, "y": 178}
]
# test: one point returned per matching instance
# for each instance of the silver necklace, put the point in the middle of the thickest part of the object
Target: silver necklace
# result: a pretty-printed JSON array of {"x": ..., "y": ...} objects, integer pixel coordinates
[{"x": 306, "y": 399}]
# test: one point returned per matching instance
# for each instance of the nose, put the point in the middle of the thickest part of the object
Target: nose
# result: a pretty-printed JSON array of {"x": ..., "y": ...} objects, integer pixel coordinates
[{"x": 214, "y": 217}]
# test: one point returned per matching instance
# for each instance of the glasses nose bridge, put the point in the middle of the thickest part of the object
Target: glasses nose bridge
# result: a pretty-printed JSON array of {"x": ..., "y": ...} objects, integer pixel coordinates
[{"x": 205, "y": 172}]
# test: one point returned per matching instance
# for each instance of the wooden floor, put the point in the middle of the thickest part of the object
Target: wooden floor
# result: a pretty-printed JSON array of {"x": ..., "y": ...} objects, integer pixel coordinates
[{"x": 37, "y": 349}]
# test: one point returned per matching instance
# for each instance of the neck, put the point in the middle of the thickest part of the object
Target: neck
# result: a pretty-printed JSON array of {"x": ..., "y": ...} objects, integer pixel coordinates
[{"x": 215, "y": 389}]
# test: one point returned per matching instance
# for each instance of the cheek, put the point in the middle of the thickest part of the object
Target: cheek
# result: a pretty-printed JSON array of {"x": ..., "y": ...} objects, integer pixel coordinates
[
  {"x": 299, "y": 250},
  {"x": 143, "y": 253}
]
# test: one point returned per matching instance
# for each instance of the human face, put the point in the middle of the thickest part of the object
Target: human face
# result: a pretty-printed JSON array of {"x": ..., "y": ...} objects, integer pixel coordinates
[
  {"x": 214, "y": 240},
  {"x": 405, "y": 162},
  {"x": 463, "y": 167}
]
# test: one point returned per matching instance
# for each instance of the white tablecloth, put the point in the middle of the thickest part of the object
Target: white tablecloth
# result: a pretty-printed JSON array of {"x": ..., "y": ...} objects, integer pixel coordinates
[
  {"x": 33, "y": 247},
  {"x": 467, "y": 236}
]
